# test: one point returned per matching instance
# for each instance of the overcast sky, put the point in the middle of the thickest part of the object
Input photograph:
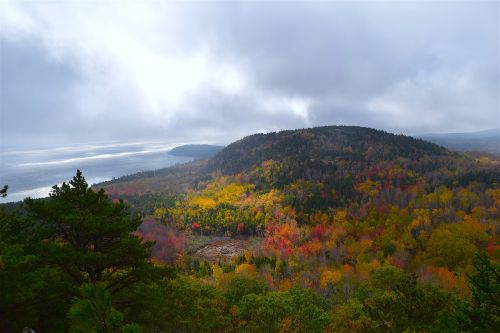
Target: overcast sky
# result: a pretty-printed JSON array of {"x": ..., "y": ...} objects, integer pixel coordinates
[{"x": 87, "y": 71}]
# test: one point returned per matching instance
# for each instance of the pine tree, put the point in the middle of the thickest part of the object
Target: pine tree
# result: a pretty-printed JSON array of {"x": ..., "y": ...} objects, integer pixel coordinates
[
  {"x": 484, "y": 313},
  {"x": 89, "y": 237}
]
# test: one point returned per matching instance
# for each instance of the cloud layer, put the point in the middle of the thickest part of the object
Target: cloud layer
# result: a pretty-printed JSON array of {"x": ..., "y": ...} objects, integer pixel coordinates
[{"x": 215, "y": 71}]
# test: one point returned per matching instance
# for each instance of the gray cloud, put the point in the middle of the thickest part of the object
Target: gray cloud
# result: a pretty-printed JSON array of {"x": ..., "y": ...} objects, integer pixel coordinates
[
  {"x": 35, "y": 93},
  {"x": 218, "y": 70}
]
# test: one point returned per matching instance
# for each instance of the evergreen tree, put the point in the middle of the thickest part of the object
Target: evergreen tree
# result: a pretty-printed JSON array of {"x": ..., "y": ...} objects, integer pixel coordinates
[
  {"x": 3, "y": 191},
  {"x": 89, "y": 237},
  {"x": 483, "y": 315}
]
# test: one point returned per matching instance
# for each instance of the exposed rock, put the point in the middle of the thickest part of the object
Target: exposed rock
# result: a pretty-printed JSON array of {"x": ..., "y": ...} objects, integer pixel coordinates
[{"x": 224, "y": 250}]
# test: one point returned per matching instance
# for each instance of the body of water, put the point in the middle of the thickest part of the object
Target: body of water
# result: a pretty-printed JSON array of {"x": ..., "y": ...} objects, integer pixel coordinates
[{"x": 32, "y": 172}]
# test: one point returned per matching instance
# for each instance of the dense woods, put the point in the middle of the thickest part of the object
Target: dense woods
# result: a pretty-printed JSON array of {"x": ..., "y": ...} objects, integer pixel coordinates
[{"x": 359, "y": 230}]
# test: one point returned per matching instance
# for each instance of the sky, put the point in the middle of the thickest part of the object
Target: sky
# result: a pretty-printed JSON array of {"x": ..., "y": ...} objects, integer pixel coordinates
[{"x": 215, "y": 71}]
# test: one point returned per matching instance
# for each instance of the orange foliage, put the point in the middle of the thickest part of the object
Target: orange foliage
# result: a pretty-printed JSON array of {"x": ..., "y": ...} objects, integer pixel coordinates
[
  {"x": 329, "y": 277},
  {"x": 347, "y": 269},
  {"x": 493, "y": 248},
  {"x": 282, "y": 238}
]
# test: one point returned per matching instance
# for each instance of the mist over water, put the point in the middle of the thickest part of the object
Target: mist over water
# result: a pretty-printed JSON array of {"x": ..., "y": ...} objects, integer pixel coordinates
[{"x": 32, "y": 172}]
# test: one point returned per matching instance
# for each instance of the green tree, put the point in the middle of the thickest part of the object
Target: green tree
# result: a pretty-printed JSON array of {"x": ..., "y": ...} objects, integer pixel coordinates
[
  {"x": 89, "y": 237},
  {"x": 351, "y": 317},
  {"x": 93, "y": 312},
  {"x": 296, "y": 310},
  {"x": 3, "y": 191},
  {"x": 31, "y": 294},
  {"x": 410, "y": 307},
  {"x": 50, "y": 247},
  {"x": 387, "y": 277},
  {"x": 189, "y": 305},
  {"x": 483, "y": 314},
  {"x": 240, "y": 286},
  {"x": 454, "y": 245}
]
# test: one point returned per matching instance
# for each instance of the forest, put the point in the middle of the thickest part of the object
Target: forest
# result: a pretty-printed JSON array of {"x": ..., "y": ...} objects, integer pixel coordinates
[{"x": 353, "y": 230}]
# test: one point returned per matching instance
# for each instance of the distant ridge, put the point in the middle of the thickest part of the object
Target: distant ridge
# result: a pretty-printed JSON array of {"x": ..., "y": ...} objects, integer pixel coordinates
[
  {"x": 486, "y": 141},
  {"x": 197, "y": 151},
  {"x": 476, "y": 134}
]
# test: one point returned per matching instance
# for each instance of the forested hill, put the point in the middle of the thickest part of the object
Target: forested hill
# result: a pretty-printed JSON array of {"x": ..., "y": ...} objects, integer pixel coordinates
[
  {"x": 344, "y": 160},
  {"x": 302, "y": 154},
  {"x": 326, "y": 144}
]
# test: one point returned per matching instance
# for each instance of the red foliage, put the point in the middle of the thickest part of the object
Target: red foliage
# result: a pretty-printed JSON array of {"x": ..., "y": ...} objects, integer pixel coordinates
[
  {"x": 241, "y": 227},
  {"x": 311, "y": 248},
  {"x": 493, "y": 248},
  {"x": 128, "y": 188},
  {"x": 281, "y": 238},
  {"x": 400, "y": 259},
  {"x": 168, "y": 241},
  {"x": 319, "y": 232}
]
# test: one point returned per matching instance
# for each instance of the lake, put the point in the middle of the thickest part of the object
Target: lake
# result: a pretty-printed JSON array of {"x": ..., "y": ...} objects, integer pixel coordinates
[{"x": 32, "y": 172}]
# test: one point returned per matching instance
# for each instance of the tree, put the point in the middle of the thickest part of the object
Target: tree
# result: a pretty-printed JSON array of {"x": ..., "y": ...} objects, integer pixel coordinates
[
  {"x": 26, "y": 285},
  {"x": 387, "y": 277},
  {"x": 239, "y": 286},
  {"x": 411, "y": 307},
  {"x": 483, "y": 315},
  {"x": 3, "y": 191},
  {"x": 454, "y": 245},
  {"x": 94, "y": 312},
  {"x": 50, "y": 247},
  {"x": 296, "y": 310},
  {"x": 88, "y": 237},
  {"x": 189, "y": 305}
]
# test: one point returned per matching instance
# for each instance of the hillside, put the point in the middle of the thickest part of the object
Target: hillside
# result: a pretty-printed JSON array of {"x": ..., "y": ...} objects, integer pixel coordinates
[
  {"x": 320, "y": 146},
  {"x": 339, "y": 157}
]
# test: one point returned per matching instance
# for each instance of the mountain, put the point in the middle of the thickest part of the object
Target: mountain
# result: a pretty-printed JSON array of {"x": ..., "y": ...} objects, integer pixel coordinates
[
  {"x": 197, "y": 151},
  {"x": 340, "y": 158},
  {"x": 322, "y": 145},
  {"x": 485, "y": 141}
]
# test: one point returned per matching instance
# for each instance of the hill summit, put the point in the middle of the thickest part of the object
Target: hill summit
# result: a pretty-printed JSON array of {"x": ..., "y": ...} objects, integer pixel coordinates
[{"x": 325, "y": 144}]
